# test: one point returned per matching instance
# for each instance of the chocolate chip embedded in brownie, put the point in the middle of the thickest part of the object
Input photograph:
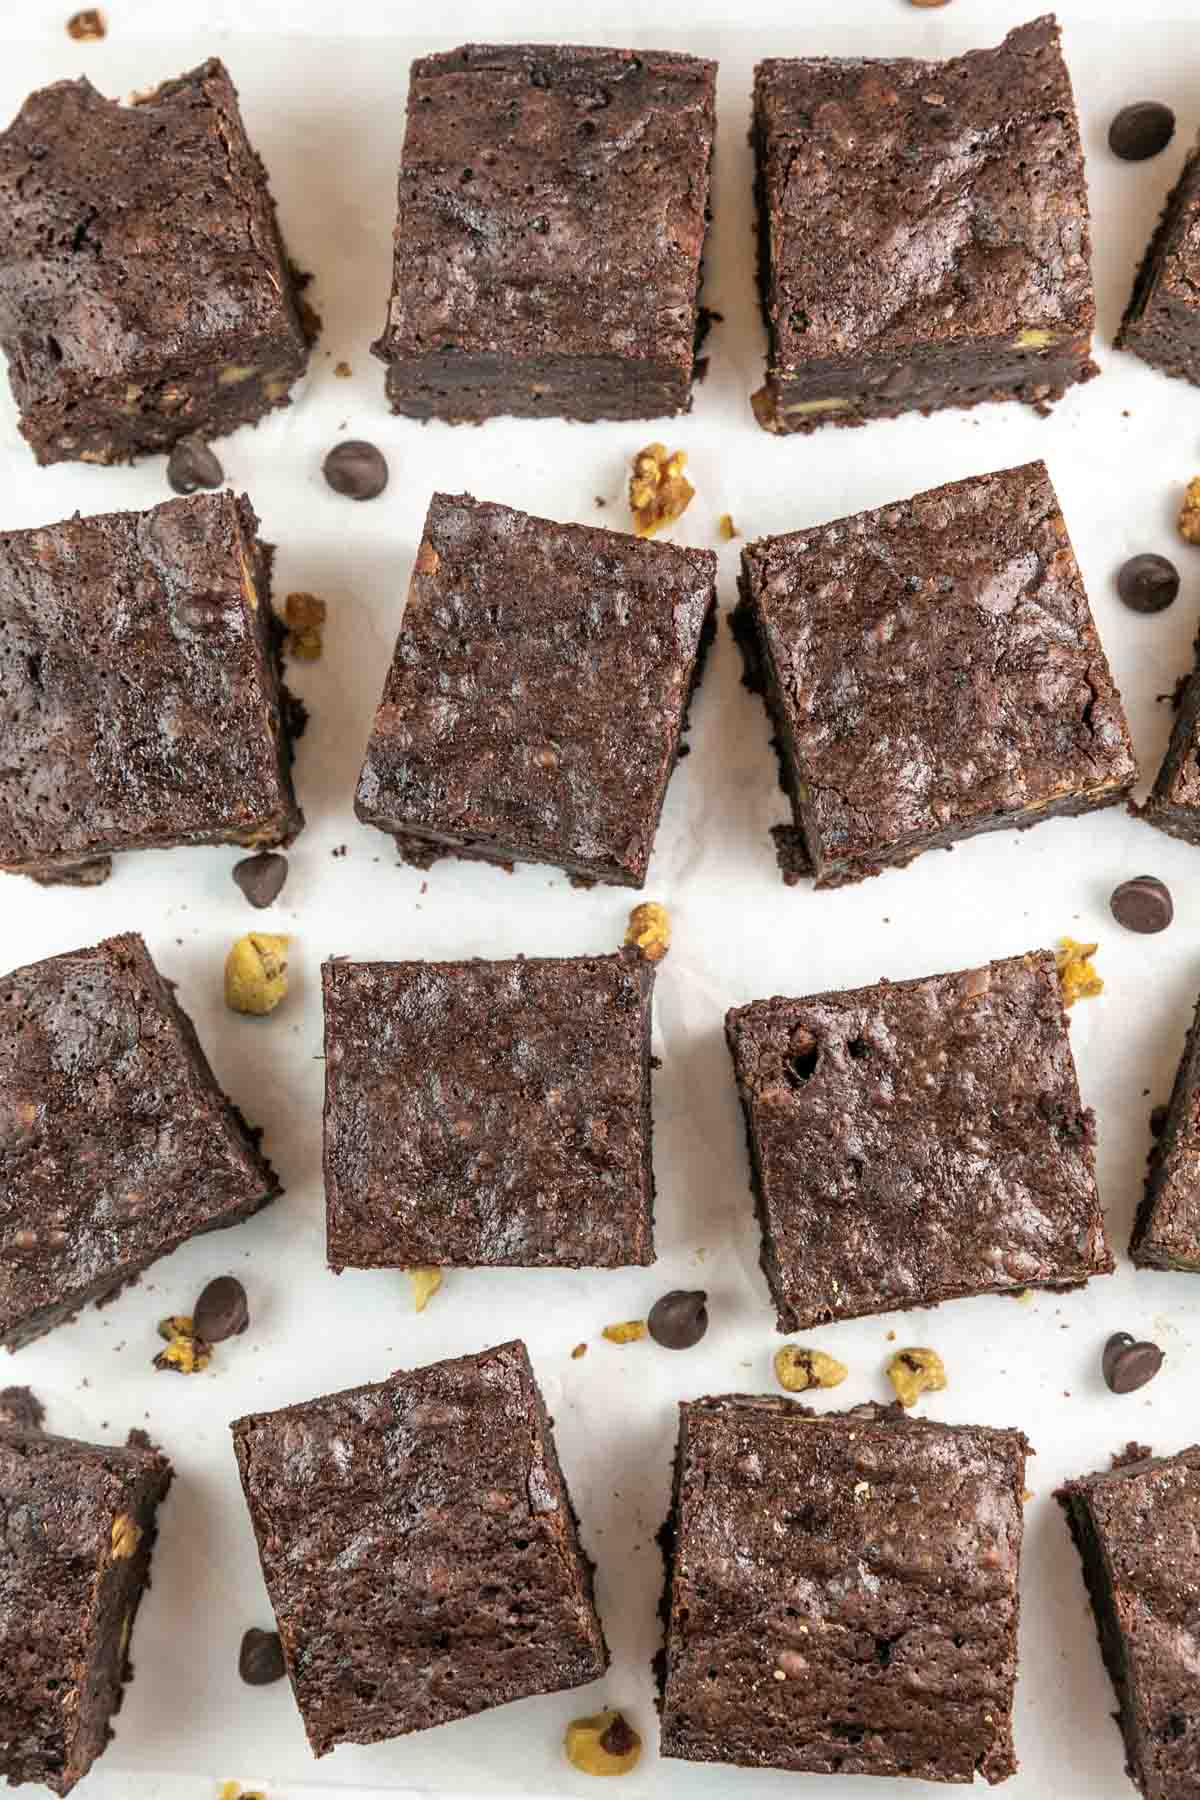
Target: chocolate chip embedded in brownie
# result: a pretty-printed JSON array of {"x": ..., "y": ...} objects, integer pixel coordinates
[
  {"x": 932, "y": 671},
  {"x": 841, "y": 1591},
  {"x": 419, "y": 1549},
  {"x": 116, "y": 1144},
  {"x": 553, "y": 206},
  {"x": 1162, "y": 321},
  {"x": 140, "y": 660},
  {"x": 923, "y": 233},
  {"x": 1135, "y": 1529},
  {"x": 74, "y": 1563},
  {"x": 538, "y": 694},
  {"x": 144, "y": 291},
  {"x": 1166, "y": 1232},
  {"x": 918, "y": 1141},
  {"x": 489, "y": 1113}
]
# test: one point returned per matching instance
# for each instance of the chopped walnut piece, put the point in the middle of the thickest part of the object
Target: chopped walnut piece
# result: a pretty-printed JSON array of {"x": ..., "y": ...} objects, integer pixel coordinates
[
  {"x": 578, "y": 1351},
  {"x": 626, "y": 1333},
  {"x": 88, "y": 26},
  {"x": 305, "y": 616},
  {"x": 603, "y": 1744},
  {"x": 727, "y": 528},
  {"x": 914, "y": 1372},
  {"x": 650, "y": 929},
  {"x": 1189, "y": 512},
  {"x": 184, "y": 1354},
  {"x": 256, "y": 972},
  {"x": 126, "y": 1536},
  {"x": 425, "y": 1284},
  {"x": 176, "y": 1325},
  {"x": 1076, "y": 971},
  {"x": 798, "y": 1368},
  {"x": 659, "y": 491},
  {"x": 342, "y": 370}
]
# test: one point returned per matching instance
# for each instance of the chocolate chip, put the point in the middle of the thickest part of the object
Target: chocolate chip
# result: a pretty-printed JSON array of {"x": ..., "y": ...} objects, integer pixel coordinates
[
  {"x": 1128, "y": 1365},
  {"x": 619, "y": 1739},
  {"x": 261, "y": 877},
  {"x": 679, "y": 1319},
  {"x": 260, "y": 1659},
  {"x": 1158, "y": 1120},
  {"x": 1141, "y": 130},
  {"x": 356, "y": 469},
  {"x": 221, "y": 1311},
  {"x": 1143, "y": 904},
  {"x": 1148, "y": 583},
  {"x": 192, "y": 465},
  {"x": 20, "y": 1407}
]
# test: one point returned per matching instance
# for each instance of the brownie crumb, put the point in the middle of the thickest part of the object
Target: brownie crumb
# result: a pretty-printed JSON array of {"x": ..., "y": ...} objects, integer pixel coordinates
[
  {"x": 20, "y": 1407},
  {"x": 88, "y": 26},
  {"x": 1132, "y": 1453}
]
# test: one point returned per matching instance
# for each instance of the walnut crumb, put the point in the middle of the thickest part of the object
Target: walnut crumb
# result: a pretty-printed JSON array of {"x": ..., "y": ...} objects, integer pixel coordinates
[
  {"x": 578, "y": 1351},
  {"x": 659, "y": 491},
  {"x": 88, "y": 26},
  {"x": 1076, "y": 971},
  {"x": 343, "y": 371},
  {"x": 627, "y": 1332},
  {"x": 916, "y": 1371},
  {"x": 727, "y": 528},
  {"x": 650, "y": 929},
  {"x": 305, "y": 617},
  {"x": 185, "y": 1353},
  {"x": 798, "y": 1368},
  {"x": 1189, "y": 512},
  {"x": 425, "y": 1284}
]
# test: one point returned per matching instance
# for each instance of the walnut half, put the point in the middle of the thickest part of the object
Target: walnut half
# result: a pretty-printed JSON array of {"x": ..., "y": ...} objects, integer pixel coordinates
[{"x": 659, "y": 491}]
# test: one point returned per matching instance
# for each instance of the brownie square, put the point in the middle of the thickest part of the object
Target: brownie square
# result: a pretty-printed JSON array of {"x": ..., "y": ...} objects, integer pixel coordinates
[
  {"x": 116, "y": 1144},
  {"x": 1162, "y": 321},
  {"x": 140, "y": 698},
  {"x": 918, "y": 1141},
  {"x": 552, "y": 213},
  {"x": 1166, "y": 1232},
  {"x": 74, "y": 1562},
  {"x": 420, "y": 1549},
  {"x": 539, "y": 692},
  {"x": 1173, "y": 804},
  {"x": 932, "y": 671},
  {"x": 923, "y": 233},
  {"x": 144, "y": 290},
  {"x": 1135, "y": 1529},
  {"x": 841, "y": 1591},
  {"x": 489, "y": 1113}
]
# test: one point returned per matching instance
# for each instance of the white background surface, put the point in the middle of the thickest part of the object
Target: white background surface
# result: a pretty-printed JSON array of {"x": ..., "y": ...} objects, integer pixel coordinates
[{"x": 326, "y": 111}]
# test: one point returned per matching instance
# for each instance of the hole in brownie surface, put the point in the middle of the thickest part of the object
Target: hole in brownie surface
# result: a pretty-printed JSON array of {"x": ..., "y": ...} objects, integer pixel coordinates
[
  {"x": 801, "y": 1065},
  {"x": 859, "y": 1049}
]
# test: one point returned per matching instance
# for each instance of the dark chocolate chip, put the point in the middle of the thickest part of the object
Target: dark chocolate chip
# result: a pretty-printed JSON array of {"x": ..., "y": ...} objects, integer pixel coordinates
[
  {"x": 679, "y": 1319},
  {"x": 1141, "y": 130},
  {"x": 619, "y": 1739},
  {"x": 1128, "y": 1365},
  {"x": 192, "y": 465},
  {"x": 261, "y": 877},
  {"x": 260, "y": 1659},
  {"x": 1158, "y": 1121},
  {"x": 1143, "y": 904},
  {"x": 20, "y": 1407},
  {"x": 221, "y": 1311},
  {"x": 356, "y": 469},
  {"x": 1148, "y": 583}
]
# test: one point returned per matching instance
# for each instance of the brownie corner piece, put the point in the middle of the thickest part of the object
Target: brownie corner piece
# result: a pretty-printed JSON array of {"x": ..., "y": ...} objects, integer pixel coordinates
[
  {"x": 924, "y": 235},
  {"x": 1162, "y": 321},
  {"x": 917, "y": 1141},
  {"x": 932, "y": 670},
  {"x": 489, "y": 1113},
  {"x": 538, "y": 695},
  {"x": 144, "y": 290},
  {"x": 1173, "y": 803},
  {"x": 553, "y": 206},
  {"x": 1134, "y": 1527},
  {"x": 771, "y": 1662},
  {"x": 81, "y": 1523},
  {"x": 116, "y": 1143},
  {"x": 446, "y": 1478},
  {"x": 1166, "y": 1232},
  {"x": 140, "y": 658}
]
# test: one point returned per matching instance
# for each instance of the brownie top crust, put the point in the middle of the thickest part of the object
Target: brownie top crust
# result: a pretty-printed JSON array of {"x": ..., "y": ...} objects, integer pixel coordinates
[
  {"x": 538, "y": 688},
  {"x": 138, "y": 689},
  {"x": 872, "y": 1560},
  {"x": 923, "y": 203},
  {"x": 552, "y": 202},
  {"x": 919, "y": 1139},
  {"x": 132, "y": 236},
  {"x": 488, "y": 1112},
  {"x": 937, "y": 663}
]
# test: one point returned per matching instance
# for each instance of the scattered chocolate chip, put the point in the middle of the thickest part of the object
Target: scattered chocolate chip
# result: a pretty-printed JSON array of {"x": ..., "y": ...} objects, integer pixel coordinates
[
  {"x": 1148, "y": 583},
  {"x": 87, "y": 27},
  {"x": 1128, "y": 1365},
  {"x": 679, "y": 1319},
  {"x": 21, "y": 1407},
  {"x": 619, "y": 1739},
  {"x": 1141, "y": 130},
  {"x": 192, "y": 465},
  {"x": 1143, "y": 904},
  {"x": 221, "y": 1311},
  {"x": 261, "y": 877},
  {"x": 356, "y": 469},
  {"x": 260, "y": 1659},
  {"x": 1158, "y": 1121}
]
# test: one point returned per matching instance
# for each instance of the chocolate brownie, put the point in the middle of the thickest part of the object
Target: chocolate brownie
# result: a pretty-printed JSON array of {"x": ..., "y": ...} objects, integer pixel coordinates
[
  {"x": 140, "y": 699},
  {"x": 1173, "y": 804},
  {"x": 489, "y": 1113},
  {"x": 923, "y": 233},
  {"x": 1135, "y": 1529},
  {"x": 80, "y": 1524},
  {"x": 537, "y": 699},
  {"x": 144, "y": 291},
  {"x": 918, "y": 1141},
  {"x": 1162, "y": 321},
  {"x": 552, "y": 214},
  {"x": 841, "y": 1591},
  {"x": 420, "y": 1549},
  {"x": 932, "y": 671},
  {"x": 1166, "y": 1232},
  {"x": 116, "y": 1144}
]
